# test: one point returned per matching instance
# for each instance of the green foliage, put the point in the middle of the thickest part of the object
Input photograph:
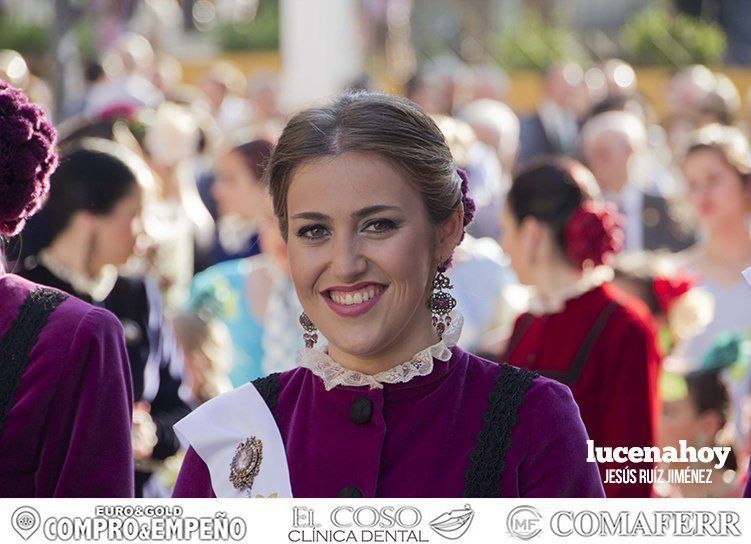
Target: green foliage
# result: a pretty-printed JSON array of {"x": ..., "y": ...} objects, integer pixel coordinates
[
  {"x": 27, "y": 39},
  {"x": 660, "y": 38},
  {"x": 260, "y": 34},
  {"x": 534, "y": 45}
]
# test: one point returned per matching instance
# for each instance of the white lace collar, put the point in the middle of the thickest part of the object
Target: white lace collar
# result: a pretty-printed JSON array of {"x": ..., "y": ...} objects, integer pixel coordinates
[
  {"x": 421, "y": 364},
  {"x": 591, "y": 279},
  {"x": 97, "y": 288}
]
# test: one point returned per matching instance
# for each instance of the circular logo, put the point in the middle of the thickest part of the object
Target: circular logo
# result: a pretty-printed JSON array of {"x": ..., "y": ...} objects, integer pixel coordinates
[{"x": 524, "y": 522}]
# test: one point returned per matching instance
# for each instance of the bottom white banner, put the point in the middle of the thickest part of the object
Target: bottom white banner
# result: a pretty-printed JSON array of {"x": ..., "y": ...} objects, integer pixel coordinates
[{"x": 284, "y": 521}]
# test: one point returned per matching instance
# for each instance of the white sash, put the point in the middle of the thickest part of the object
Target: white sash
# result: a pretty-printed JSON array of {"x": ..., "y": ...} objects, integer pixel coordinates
[
  {"x": 747, "y": 276},
  {"x": 214, "y": 430}
]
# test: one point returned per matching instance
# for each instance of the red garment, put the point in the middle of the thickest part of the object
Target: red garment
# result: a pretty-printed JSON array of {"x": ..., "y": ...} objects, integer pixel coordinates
[{"x": 614, "y": 382}]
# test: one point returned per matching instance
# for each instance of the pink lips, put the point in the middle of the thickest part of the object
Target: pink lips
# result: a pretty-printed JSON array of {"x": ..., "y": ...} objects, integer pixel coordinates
[{"x": 353, "y": 310}]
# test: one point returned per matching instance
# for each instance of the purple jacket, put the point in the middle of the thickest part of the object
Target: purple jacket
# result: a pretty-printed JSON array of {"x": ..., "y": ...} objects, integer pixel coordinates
[
  {"x": 67, "y": 431},
  {"x": 470, "y": 428}
]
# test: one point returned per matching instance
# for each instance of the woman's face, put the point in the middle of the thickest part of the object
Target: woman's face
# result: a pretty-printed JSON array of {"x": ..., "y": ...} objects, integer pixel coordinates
[
  {"x": 715, "y": 190},
  {"x": 680, "y": 421},
  {"x": 515, "y": 243},
  {"x": 236, "y": 190},
  {"x": 115, "y": 233},
  {"x": 362, "y": 252}
]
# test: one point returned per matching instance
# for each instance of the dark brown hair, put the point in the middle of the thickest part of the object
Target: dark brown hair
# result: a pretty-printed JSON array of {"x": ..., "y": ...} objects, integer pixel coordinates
[
  {"x": 551, "y": 189},
  {"x": 255, "y": 155},
  {"x": 388, "y": 126}
]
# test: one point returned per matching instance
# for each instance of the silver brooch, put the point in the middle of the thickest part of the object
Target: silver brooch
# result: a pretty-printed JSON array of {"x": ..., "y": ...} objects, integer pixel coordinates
[{"x": 246, "y": 463}]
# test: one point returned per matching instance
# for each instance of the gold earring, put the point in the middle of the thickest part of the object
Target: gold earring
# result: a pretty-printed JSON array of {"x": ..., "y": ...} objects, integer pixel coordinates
[
  {"x": 441, "y": 302},
  {"x": 311, "y": 334}
]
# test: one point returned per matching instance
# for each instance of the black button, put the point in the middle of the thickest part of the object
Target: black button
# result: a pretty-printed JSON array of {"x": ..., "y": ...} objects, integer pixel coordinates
[
  {"x": 361, "y": 411},
  {"x": 350, "y": 492}
]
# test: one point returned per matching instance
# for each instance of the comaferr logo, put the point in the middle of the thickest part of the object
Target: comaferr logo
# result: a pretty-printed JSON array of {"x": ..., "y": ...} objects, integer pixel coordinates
[
  {"x": 526, "y": 522},
  {"x": 676, "y": 523}
]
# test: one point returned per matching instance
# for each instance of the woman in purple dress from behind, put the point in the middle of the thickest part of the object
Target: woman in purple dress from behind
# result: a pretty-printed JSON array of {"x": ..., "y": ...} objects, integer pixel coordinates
[
  {"x": 65, "y": 389},
  {"x": 371, "y": 205}
]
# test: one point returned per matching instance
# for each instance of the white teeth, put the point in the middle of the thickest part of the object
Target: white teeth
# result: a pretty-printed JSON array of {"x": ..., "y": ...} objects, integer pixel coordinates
[{"x": 359, "y": 297}]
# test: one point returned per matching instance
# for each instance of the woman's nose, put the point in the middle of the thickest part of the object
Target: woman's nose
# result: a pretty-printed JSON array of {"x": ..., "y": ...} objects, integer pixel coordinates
[{"x": 347, "y": 261}]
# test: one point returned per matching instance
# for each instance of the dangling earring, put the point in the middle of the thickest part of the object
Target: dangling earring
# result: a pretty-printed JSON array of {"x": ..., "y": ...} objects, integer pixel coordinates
[
  {"x": 441, "y": 302},
  {"x": 311, "y": 334}
]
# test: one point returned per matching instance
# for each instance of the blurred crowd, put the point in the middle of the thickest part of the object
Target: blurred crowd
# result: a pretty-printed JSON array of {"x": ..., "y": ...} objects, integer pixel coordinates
[{"x": 158, "y": 212}]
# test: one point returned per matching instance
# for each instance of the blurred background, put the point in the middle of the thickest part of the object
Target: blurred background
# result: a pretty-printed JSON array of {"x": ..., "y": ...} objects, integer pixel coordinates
[{"x": 190, "y": 95}]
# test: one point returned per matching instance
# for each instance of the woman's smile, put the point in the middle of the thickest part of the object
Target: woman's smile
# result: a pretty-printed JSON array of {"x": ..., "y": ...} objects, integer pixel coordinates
[{"x": 354, "y": 300}]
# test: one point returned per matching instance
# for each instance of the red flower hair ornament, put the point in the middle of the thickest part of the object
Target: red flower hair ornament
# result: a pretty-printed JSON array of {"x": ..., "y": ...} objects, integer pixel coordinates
[
  {"x": 668, "y": 290},
  {"x": 593, "y": 234}
]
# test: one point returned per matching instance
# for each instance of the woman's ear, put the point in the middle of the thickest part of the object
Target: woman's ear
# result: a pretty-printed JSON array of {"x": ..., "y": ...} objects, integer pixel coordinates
[
  {"x": 450, "y": 234},
  {"x": 709, "y": 424}
]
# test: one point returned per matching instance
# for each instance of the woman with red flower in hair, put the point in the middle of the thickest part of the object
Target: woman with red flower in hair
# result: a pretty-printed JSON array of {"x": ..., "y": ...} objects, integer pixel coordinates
[
  {"x": 65, "y": 388},
  {"x": 580, "y": 329}
]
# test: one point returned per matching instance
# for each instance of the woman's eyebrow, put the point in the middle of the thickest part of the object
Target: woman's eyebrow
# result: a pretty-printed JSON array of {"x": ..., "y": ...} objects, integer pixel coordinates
[
  {"x": 370, "y": 210},
  {"x": 359, "y": 214}
]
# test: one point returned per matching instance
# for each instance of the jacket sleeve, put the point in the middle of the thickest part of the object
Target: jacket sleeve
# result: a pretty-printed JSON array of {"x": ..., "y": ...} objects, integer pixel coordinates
[
  {"x": 194, "y": 480},
  {"x": 556, "y": 464},
  {"x": 87, "y": 450}
]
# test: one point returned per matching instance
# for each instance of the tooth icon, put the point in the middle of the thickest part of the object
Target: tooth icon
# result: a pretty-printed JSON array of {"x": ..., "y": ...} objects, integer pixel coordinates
[{"x": 452, "y": 525}]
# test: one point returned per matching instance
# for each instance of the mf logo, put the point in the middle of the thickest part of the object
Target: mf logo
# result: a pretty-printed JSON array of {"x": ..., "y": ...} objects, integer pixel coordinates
[{"x": 524, "y": 522}]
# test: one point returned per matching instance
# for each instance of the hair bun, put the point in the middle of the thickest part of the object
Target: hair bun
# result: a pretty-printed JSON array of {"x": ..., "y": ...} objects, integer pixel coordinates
[
  {"x": 27, "y": 158},
  {"x": 593, "y": 234}
]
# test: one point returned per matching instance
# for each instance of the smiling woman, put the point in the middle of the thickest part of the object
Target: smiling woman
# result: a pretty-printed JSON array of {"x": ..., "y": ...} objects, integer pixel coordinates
[{"x": 371, "y": 205}]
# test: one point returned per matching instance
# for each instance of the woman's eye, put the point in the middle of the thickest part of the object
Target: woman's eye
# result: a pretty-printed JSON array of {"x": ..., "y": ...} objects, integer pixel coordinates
[
  {"x": 312, "y": 232},
  {"x": 380, "y": 225}
]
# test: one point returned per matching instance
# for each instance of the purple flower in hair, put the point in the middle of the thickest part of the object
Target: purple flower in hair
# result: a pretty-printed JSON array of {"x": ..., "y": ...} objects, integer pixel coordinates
[
  {"x": 469, "y": 209},
  {"x": 27, "y": 158}
]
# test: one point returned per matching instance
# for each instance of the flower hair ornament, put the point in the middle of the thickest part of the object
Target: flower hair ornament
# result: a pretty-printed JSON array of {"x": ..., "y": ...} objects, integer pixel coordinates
[
  {"x": 668, "y": 290},
  {"x": 27, "y": 158},
  {"x": 441, "y": 302},
  {"x": 594, "y": 234}
]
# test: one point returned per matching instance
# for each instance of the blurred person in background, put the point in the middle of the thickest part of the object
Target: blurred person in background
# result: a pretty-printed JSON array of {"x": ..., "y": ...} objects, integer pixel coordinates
[
  {"x": 255, "y": 299},
  {"x": 129, "y": 67},
  {"x": 480, "y": 271},
  {"x": 615, "y": 147},
  {"x": 717, "y": 170},
  {"x": 224, "y": 85},
  {"x": 66, "y": 391},
  {"x": 580, "y": 328},
  {"x": 497, "y": 126},
  {"x": 696, "y": 409},
  {"x": 681, "y": 308},
  {"x": 182, "y": 227},
  {"x": 553, "y": 129},
  {"x": 207, "y": 347},
  {"x": 240, "y": 198},
  {"x": 482, "y": 166},
  {"x": 87, "y": 229}
]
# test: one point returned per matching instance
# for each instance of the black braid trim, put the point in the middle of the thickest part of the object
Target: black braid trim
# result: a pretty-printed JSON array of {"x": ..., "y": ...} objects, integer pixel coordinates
[
  {"x": 22, "y": 336},
  {"x": 488, "y": 460},
  {"x": 268, "y": 387}
]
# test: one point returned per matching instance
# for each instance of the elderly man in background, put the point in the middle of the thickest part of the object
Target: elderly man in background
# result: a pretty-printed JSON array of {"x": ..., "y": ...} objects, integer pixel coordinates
[{"x": 615, "y": 147}]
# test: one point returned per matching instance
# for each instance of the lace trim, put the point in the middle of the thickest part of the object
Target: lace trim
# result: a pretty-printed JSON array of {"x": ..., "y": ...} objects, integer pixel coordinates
[
  {"x": 97, "y": 288},
  {"x": 421, "y": 364},
  {"x": 589, "y": 281},
  {"x": 20, "y": 339},
  {"x": 488, "y": 460}
]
